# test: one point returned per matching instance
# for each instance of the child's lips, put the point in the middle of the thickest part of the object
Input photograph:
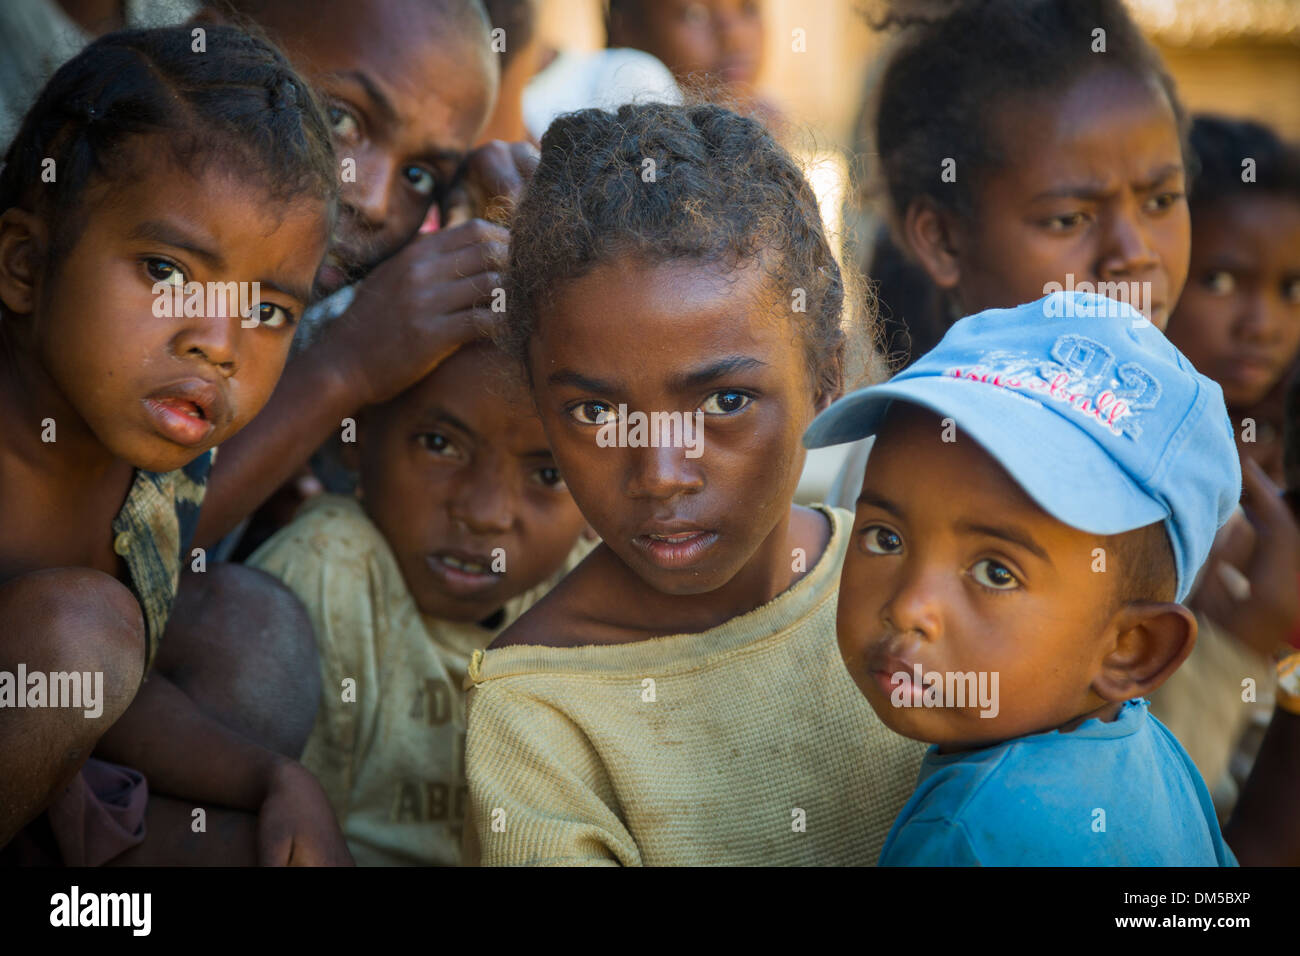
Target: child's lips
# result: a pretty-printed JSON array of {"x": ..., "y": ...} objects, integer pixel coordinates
[
  {"x": 884, "y": 667},
  {"x": 462, "y": 573},
  {"x": 671, "y": 545},
  {"x": 187, "y": 412}
]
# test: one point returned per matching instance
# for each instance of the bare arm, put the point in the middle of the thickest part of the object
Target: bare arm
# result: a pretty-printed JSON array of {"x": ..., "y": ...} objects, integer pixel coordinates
[
  {"x": 1265, "y": 827},
  {"x": 186, "y": 754}
]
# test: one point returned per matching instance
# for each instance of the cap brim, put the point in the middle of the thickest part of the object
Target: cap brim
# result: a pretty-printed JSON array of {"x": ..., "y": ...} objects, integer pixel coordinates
[{"x": 1073, "y": 478}]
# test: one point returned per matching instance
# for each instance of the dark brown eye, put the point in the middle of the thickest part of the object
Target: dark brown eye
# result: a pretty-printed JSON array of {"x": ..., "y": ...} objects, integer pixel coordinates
[{"x": 881, "y": 540}]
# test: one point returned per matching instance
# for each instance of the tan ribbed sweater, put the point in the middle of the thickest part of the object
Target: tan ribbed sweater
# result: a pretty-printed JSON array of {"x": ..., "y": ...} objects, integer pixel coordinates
[{"x": 744, "y": 744}]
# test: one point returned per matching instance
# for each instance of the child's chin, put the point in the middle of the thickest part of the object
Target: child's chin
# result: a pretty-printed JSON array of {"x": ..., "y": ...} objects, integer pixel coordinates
[
  {"x": 910, "y": 722},
  {"x": 158, "y": 456}
]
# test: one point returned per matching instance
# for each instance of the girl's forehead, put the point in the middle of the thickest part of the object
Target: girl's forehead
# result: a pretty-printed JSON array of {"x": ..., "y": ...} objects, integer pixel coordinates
[{"x": 651, "y": 312}]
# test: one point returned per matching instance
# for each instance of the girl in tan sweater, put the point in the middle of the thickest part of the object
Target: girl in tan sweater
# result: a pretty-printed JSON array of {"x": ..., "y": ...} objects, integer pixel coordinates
[{"x": 679, "y": 698}]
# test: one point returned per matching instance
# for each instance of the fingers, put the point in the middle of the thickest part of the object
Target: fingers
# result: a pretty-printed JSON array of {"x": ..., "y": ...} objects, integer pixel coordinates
[
  {"x": 502, "y": 170},
  {"x": 1262, "y": 501},
  {"x": 495, "y": 177},
  {"x": 475, "y": 232},
  {"x": 466, "y": 325}
]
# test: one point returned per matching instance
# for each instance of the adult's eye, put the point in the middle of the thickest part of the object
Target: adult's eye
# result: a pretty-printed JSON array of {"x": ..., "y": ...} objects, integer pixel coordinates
[
  {"x": 421, "y": 180},
  {"x": 344, "y": 125},
  {"x": 991, "y": 574},
  {"x": 594, "y": 413},
  {"x": 725, "y": 403},
  {"x": 878, "y": 539}
]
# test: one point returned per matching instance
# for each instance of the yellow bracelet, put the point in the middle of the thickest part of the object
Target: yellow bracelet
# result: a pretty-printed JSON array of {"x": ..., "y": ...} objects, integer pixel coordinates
[{"x": 1288, "y": 684}]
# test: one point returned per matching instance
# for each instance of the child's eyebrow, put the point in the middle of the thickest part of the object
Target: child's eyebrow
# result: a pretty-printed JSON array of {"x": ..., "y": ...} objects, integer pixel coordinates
[
  {"x": 879, "y": 501},
  {"x": 1158, "y": 176},
  {"x": 438, "y": 416},
  {"x": 1096, "y": 190},
  {"x": 568, "y": 376},
  {"x": 298, "y": 292},
  {"x": 155, "y": 230},
  {"x": 1014, "y": 535},
  {"x": 730, "y": 365}
]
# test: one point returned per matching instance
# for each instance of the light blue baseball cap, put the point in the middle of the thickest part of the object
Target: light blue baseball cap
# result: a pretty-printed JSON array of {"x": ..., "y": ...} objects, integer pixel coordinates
[{"x": 1086, "y": 404}]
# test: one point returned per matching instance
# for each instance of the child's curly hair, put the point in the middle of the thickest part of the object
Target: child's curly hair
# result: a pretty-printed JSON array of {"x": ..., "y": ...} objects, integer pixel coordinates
[{"x": 722, "y": 191}]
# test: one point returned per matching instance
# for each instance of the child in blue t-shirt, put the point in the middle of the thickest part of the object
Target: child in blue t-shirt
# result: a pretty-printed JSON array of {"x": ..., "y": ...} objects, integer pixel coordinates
[{"x": 1041, "y": 492}]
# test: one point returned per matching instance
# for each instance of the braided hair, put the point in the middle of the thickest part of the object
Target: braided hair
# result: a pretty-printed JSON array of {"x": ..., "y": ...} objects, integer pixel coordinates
[
  {"x": 236, "y": 102},
  {"x": 724, "y": 192}
]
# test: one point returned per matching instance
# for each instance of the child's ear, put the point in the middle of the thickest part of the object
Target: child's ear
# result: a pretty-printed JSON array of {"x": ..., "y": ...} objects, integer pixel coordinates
[
  {"x": 23, "y": 242},
  {"x": 1152, "y": 640},
  {"x": 929, "y": 233},
  {"x": 830, "y": 384}
]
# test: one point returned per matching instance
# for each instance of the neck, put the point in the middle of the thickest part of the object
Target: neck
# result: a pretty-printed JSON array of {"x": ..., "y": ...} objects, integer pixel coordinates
[{"x": 1106, "y": 713}]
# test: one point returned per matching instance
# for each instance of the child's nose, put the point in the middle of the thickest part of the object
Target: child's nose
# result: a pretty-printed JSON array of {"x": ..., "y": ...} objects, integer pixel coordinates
[
  {"x": 913, "y": 611},
  {"x": 662, "y": 473},
  {"x": 1262, "y": 317},
  {"x": 1127, "y": 249},
  {"x": 214, "y": 339},
  {"x": 483, "y": 506}
]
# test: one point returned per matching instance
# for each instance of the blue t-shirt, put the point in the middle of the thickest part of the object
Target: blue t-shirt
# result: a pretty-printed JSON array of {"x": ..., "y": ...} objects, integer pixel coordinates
[{"x": 1119, "y": 793}]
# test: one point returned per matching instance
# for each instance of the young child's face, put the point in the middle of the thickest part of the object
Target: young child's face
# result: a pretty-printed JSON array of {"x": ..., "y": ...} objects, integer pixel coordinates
[
  {"x": 675, "y": 337},
  {"x": 456, "y": 468},
  {"x": 1239, "y": 318},
  {"x": 953, "y": 567},
  {"x": 720, "y": 38},
  {"x": 1092, "y": 187},
  {"x": 158, "y": 390},
  {"x": 406, "y": 95}
]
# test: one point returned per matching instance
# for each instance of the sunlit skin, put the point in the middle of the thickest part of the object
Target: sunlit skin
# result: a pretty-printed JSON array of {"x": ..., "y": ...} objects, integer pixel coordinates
[
  {"x": 1093, "y": 185},
  {"x": 455, "y": 468},
  {"x": 1239, "y": 318},
  {"x": 720, "y": 39},
  {"x": 406, "y": 94},
  {"x": 124, "y": 387},
  {"x": 689, "y": 542},
  {"x": 953, "y": 567}
]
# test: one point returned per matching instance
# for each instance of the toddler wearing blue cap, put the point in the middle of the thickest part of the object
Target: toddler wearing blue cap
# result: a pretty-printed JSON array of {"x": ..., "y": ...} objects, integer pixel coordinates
[{"x": 1041, "y": 493}]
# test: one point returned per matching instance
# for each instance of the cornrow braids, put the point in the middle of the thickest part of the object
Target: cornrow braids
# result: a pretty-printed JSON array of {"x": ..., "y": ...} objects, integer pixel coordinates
[
  {"x": 722, "y": 192},
  {"x": 955, "y": 62},
  {"x": 237, "y": 102}
]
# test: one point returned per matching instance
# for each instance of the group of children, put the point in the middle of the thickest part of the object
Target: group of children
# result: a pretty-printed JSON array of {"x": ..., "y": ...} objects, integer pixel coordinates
[{"x": 502, "y": 638}]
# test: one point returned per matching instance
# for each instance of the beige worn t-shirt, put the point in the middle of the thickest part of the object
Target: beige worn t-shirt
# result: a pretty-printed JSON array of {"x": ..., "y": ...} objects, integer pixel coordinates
[
  {"x": 747, "y": 744},
  {"x": 389, "y": 740}
]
